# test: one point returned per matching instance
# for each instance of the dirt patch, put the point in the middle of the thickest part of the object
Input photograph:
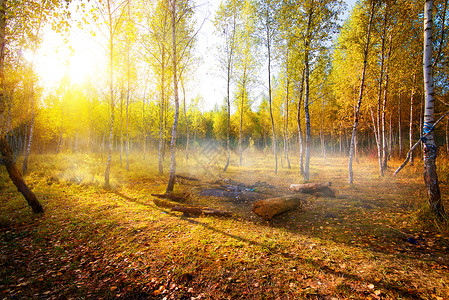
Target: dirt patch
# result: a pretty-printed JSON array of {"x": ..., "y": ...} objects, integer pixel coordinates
[{"x": 238, "y": 192}]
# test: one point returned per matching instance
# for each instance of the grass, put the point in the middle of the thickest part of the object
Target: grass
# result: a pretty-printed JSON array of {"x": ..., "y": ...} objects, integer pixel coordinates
[{"x": 97, "y": 243}]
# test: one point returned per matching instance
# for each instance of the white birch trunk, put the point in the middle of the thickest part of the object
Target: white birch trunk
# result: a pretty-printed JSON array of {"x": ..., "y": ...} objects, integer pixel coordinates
[
  {"x": 430, "y": 149},
  {"x": 411, "y": 120},
  {"x": 356, "y": 118},
  {"x": 111, "y": 88},
  {"x": 172, "y": 174}
]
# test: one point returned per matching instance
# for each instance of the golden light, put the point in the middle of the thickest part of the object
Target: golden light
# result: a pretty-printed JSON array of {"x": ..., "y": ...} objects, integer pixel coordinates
[{"x": 78, "y": 56}]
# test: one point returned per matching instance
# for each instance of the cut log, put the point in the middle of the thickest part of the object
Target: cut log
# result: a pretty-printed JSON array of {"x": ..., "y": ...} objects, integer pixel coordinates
[
  {"x": 192, "y": 210},
  {"x": 270, "y": 207},
  {"x": 322, "y": 188}
]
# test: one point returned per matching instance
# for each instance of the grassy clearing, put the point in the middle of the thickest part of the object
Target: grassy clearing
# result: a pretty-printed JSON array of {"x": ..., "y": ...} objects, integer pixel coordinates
[{"x": 374, "y": 241}]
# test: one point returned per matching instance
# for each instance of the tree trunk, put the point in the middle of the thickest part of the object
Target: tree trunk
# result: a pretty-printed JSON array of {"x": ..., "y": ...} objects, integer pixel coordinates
[
  {"x": 306, "y": 94},
  {"x": 16, "y": 177},
  {"x": 399, "y": 127},
  {"x": 230, "y": 55},
  {"x": 172, "y": 174},
  {"x": 144, "y": 125},
  {"x": 269, "y": 95},
  {"x": 322, "y": 136},
  {"x": 300, "y": 140},
  {"x": 128, "y": 87},
  {"x": 241, "y": 126},
  {"x": 307, "y": 117},
  {"x": 447, "y": 136},
  {"x": 286, "y": 122},
  {"x": 356, "y": 118},
  {"x": 121, "y": 125},
  {"x": 341, "y": 138},
  {"x": 186, "y": 120},
  {"x": 385, "y": 151},
  {"x": 380, "y": 111},
  {"x": 228, "y": 120},
  {"x": 430, "y": 149},
  {"x": 111, "y": 89},
  {"x": 61, "y": 133},
  {"x": 30, "y": 138},
  {"x": 161, "y": 114},
  {"x": 411, "y": 119},
  {"x": 7, "y": 155},
  {"x": 127, "y": 123}
]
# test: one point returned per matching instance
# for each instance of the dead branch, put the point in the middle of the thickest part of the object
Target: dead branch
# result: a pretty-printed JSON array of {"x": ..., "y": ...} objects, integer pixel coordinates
[{"x": 417, "y": 143}]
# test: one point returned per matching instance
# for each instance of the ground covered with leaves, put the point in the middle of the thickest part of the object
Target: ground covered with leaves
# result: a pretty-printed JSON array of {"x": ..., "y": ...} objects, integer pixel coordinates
[{"x": 376, "y": 240}]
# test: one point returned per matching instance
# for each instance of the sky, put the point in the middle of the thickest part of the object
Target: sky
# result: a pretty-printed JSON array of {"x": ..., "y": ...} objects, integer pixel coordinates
[{"x": 83, "y": 57}]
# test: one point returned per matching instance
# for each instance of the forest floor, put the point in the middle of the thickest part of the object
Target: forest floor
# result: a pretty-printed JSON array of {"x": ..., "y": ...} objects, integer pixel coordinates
[{"x": 374, "y": 241}]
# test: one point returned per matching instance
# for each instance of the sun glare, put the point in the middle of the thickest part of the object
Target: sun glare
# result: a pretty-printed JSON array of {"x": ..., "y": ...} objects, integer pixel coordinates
[{"x": 78, "y": 57}]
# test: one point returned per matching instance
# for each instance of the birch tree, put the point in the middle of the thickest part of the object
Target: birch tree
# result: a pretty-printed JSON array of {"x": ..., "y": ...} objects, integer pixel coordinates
[
  {"x": 430, "y": 148},
  {"x": 113, "y": 16},
  {"x": 181, "y": 13},
  {"x": 267, "y": 14},
  {"x": 246, "y": 65},
  {"x": 225, "y": 23},
  {"x": 359, "y": 102},
  {"x": 320, "y": 18},
  {"x": 157, "y": 56},
  {"x": 14, "y": 25}
]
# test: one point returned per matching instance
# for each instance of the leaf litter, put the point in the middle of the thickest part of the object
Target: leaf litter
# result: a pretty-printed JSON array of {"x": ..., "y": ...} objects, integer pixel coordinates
[{"x": 97, "y": 243}]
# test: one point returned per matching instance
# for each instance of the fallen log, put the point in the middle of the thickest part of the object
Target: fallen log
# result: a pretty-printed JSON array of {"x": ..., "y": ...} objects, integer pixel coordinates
[
  {"x": 192, "y": 210},
  {"x": 164, "y": 203},
  {"x": 187, "y": 178},
  {"x": 198, "y": 211},
  {"x": 270, "y": 207},
  {"x": 181, "y": 197},
  {"x": 322, "y": 188}
]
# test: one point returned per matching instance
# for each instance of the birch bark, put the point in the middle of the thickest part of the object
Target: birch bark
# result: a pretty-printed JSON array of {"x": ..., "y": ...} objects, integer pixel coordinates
[
  {"x": 430, "y": 149},
  {"x": 356, "y": 118}
]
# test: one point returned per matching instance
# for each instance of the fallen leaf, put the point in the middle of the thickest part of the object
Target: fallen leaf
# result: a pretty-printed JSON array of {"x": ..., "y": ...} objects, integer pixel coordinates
[
  {"x": 113, "y": 288},
  {"x": 156, "y": 292},
  {"x": 377, "y": 292}
]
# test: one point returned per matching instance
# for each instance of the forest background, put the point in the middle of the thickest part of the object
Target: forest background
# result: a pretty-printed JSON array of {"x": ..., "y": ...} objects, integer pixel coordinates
[
  {"x": 292, "y": 72},
  {"x": 99, "y": 136}
]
